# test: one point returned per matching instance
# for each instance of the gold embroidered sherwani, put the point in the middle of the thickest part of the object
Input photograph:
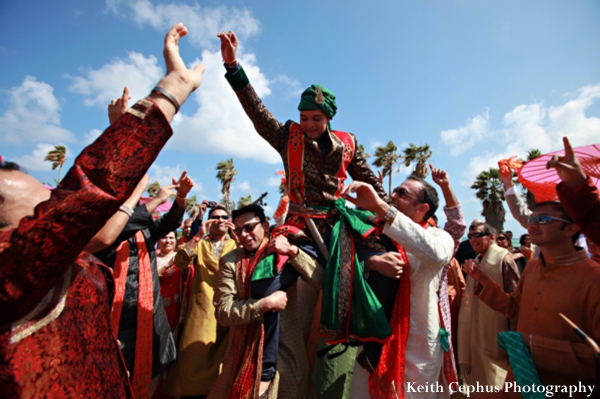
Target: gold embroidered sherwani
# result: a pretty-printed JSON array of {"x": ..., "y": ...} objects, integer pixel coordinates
[{"x": 292, "y": 365}]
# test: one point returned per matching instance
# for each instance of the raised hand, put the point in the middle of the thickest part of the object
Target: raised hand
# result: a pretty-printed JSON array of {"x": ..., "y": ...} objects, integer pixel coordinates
[
  {"x": 118, "y": 106},
  {"x": 439, "y": 176},
  {"x": 567, "y": 166},
  {"x": 166, "y": 192},
  {"x": 183, "y": 185},
  {"x": 506, "y": 177},
  {"x": 472, "y": 268},
  {"x": 229, "y": 46},
  {"x": 179, "y": 81},
  {"x": 366, "y": 197}
]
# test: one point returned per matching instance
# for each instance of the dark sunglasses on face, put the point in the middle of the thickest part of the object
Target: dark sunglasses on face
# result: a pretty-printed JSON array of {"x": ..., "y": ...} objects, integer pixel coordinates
[
  {"x": 248, "y": 227},
  {"x": 477, "y": 235},
  {"x": 545, "y": 219},
  {"x": 501, "y": 238},
  {"x": 402, "y": 192},
  {"x": 217, "y": 217}
]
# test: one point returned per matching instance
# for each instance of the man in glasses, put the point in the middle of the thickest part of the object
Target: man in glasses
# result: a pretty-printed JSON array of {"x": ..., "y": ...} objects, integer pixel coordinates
[
  {"x": 561, "y": 280},
  {"x": 425, "y": 250},
  {"x": 479, "y": 356},
  {"x": 203, "y": 342},
  {"x": 266, "y": 348}
]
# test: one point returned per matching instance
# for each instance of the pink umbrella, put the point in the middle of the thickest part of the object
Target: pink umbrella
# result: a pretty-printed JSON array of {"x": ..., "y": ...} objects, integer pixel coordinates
[
  {"x": 161, "y": 208},
  {"x": 542, "y": 182}
]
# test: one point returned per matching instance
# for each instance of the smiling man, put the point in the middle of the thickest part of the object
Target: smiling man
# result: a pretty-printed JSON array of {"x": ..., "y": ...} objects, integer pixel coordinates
[
  {"x": 562, "y": 280},
  {"x": 203, "y": 342},
  {"x": 480, "y": 358},
  {"x": 254, "y": 364}
]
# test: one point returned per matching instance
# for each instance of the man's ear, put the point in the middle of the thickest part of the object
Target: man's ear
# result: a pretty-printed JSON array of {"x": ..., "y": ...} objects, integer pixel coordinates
[
  {"x": 422, "y": 209},
  {"x": 571, "y": 230}
]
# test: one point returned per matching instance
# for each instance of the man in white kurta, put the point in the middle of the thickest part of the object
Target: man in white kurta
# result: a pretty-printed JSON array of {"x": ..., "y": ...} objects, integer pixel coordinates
[{"x": 428, "y": 251}]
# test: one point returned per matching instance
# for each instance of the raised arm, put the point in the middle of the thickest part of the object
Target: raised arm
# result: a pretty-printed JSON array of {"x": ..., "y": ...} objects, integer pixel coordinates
[
  {"x": 517, "y": 207},
  {"x": 37, "y": 252},
  {"x": 264, "y": 122}
]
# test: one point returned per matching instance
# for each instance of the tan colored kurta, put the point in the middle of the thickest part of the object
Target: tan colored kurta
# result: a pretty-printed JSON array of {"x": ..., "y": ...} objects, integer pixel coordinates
[
  {"x": 480, "y": 358},
  {"x": 203, "y": 341},
  {"x": 571, "y": 285},
  {"x": 291, "y": 378}
]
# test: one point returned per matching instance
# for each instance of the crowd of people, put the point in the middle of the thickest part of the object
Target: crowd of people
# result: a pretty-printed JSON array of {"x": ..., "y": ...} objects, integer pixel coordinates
[{"x": 372, "y": 300}]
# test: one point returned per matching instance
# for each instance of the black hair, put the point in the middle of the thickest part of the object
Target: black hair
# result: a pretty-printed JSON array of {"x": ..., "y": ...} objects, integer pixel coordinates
[
  {"x": 522, "y": 238},
  {"x": 428, "y": 195},
  {"x": 221, "y": 207},
  {"x": 257, "y": 210},
  {"x": 558, "y": 207},
  {"x": 8, "y": 166}
]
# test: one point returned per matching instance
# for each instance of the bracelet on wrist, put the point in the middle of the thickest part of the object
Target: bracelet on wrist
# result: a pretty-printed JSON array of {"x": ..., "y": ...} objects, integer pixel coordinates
[
  {"x": 168, "y": 96},
  {"x": 125, "y": 209},
  {"x": 389, "y": 216}
]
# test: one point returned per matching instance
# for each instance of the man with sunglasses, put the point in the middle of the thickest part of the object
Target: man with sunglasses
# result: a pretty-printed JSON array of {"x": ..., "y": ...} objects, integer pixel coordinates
[
  {"x": 561, "y": 280},
  {"x": 479, "y": 356},
  {"x": 203, "y": 342},
  {"x": 266, "y": 354},
  {"x": 417, "y": 348}
]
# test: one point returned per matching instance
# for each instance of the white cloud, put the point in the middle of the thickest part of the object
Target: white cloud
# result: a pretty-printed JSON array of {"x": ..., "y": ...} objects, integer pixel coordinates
[
  {"x": 243, "y": 187},
  {"x": 465, "y": 137},
  {"x": 34, "y": 162},
  {"x": 538, "y": 126},
  {"x": 219, "y": 124},
  {"x": 137, "y": 72},
  {"x": 273, "y": 181},
  {"x": 91, "y": 136},
  {"x": 33, "y": 115},
  {"x": 203, "y": 22}
]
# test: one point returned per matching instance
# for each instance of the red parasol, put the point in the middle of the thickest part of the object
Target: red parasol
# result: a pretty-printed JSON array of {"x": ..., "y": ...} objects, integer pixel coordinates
[{"x": 542, "y": 182}]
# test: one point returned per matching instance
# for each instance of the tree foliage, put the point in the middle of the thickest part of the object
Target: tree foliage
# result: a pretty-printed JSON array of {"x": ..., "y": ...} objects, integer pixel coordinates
[
  {"x": 490, "y": 191},
  {"x": 226, "y": 175},
  {"x": 386, "y": 157},
  {"x": 419, "y": 155},
  {"x": 58, "y": 157}
]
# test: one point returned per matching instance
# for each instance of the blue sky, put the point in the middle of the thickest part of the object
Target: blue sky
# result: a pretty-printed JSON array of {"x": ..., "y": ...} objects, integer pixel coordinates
[{"x": 477, "y": 80}]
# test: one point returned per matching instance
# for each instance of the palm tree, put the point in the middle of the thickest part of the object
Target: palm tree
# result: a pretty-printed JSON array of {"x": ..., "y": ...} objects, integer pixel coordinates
[
  {"x": 191, "y": 204},
  {"x": 226, "y": 175},
  {"x": 247, "y": 200},
  {"x": 58, "y": 157},
  {"x": 386, "y": 157},
  {"x": 491, "y": 193},
  {"x": 420, "y": 155},
  {"x": 153, "y": 189},
  {"x": 365, "y": 154}
]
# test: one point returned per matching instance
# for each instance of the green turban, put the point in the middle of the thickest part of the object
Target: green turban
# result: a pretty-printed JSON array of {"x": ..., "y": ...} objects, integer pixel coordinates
[{"x": 318, "y": 97}]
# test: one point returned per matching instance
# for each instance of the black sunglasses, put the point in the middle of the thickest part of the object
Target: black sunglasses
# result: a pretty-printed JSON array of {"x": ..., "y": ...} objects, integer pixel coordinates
[
  {"x": 402, "y": 192},
  {"x": 248, "y": 227},
  {"x": 545, "y": 219},
  {"x": 501, "y": 238},
  {"x": 477, "y": 235},
  {"x": 217, "y": 217}
]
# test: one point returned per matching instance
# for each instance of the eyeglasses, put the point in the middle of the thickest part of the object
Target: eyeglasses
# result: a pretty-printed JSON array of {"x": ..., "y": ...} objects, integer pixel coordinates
[
  {"x": 248, "y": 227},
  {"x": 477, "y": 235},
  {"x": 401, "y": 192},
  {"x": 217, "y": 217},
  {"x": 502, "y": 238},
  {"x": 545, "y": 219}
]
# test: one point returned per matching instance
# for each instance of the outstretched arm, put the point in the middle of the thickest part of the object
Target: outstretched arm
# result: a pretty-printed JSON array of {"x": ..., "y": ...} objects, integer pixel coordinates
[
  {"x": 91, "y": 192},
  {"x": 264, "y": 122}
]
